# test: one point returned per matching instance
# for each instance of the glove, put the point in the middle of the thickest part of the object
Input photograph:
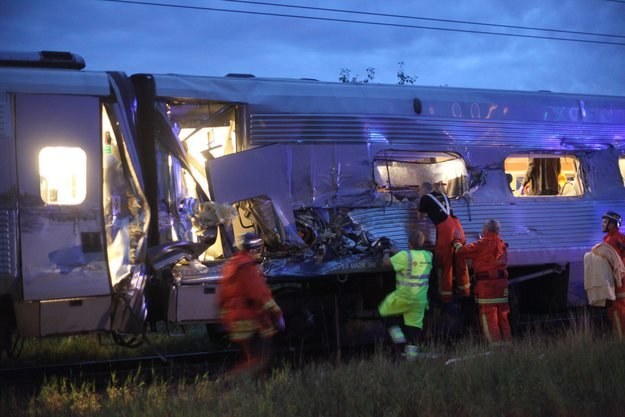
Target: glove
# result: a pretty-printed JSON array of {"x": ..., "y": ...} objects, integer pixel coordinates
[
  {"x": 280, "y": 325},
  {"x": 384, "y": 243},
  {"x": 457, "y": 245}
]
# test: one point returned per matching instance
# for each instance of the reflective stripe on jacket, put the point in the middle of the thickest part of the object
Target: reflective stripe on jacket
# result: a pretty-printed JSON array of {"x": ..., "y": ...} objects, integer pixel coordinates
[
  {"x": 491, "y": 291},
  {"x": 244, "y": 295},
  {"x": 412, "y": 273}
]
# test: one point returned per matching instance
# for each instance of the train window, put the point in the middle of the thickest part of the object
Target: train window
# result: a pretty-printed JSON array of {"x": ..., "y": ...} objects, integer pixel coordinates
[
  {"x": 621, "y": 165},
  {"x": 63, "y": 175},
  {"x": 218, "y": 141},
  {"x": 543, "y": 175},
  {"x": 206, "y": 130},
  {"x": 401, "y": 173}
]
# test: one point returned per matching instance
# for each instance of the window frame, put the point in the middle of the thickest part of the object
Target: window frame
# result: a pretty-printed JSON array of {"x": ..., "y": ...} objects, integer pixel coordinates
[
  {"x": 569, "y": 167},
  {"x": 457, "y": 176}
]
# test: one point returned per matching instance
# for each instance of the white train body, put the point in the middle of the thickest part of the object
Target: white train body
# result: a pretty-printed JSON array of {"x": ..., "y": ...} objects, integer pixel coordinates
[
  {"x": 109, "y": 181},
  {"x": 69, "y": 202}
]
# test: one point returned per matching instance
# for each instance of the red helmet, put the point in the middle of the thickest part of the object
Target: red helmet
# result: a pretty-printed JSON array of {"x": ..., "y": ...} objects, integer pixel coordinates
[{"x": 614, "y": 216}]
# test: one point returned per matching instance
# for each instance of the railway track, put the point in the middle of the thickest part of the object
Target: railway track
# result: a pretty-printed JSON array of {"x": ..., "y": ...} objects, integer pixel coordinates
[{"x": 29, "y": 379}]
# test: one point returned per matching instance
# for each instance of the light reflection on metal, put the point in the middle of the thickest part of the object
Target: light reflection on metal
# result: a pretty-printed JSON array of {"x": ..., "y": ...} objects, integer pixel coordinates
[
  {"x": 475, "y": 110},
  {"x": 582, "y": 110},
  {"x": 377, "y": 137},
  {"x": 492, "y": 108},
  {"x": 456, "y": 110}
]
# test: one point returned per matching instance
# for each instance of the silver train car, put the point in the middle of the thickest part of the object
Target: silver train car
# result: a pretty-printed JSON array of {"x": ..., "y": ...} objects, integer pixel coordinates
[
  {"x": 324, "y": 170},
  {"x": 121, "y": 197},
  {"x": 72, "y": 201}
]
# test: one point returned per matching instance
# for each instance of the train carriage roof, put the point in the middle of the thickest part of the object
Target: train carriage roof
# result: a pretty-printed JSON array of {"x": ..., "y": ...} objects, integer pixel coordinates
[
  {"x": 309, "y": 96},
  {"x": 308, "y": 110},
  {"x": 53, "y": 81}
]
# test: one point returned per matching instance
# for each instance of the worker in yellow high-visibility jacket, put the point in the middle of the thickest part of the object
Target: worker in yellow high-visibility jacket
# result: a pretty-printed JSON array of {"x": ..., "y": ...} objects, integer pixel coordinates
[{"x": 410, "y": 297}]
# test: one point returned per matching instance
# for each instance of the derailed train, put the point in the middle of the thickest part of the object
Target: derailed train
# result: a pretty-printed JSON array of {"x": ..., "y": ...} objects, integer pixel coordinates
[{"x": 121, "y": 196}]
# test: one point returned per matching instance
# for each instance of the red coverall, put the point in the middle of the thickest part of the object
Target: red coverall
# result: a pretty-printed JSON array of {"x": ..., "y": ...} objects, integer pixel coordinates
[
  {"x": 247, "y": 305},
  {"x": 448, "y": 230},
  {"x": 616, "y": 309},
  {"x": 489, "y": 255}
]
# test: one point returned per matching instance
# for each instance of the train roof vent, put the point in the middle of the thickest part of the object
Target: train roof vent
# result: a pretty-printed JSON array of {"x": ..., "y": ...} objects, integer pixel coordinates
[
  {"x": 42, "y": 59},
  {"x": 235, "y": 75}
]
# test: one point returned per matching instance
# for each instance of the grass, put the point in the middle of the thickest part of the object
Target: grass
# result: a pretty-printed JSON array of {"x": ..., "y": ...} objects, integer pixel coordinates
[
  {"x": 574, "y": 373},
  {"x": 88, "y": 347}
]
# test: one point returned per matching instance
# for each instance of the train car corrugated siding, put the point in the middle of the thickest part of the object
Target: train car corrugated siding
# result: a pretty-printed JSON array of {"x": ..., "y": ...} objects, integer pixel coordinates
[
  {"x": 538, "y": 232},
  {"x": 8, "y": 243},
  {"x": 430, "y": 131}
]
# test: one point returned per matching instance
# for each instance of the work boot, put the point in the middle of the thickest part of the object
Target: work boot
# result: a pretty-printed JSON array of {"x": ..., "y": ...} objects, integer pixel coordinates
[
  {"x": 411, "y": 353},
  {"x": 397, "y": 335}
]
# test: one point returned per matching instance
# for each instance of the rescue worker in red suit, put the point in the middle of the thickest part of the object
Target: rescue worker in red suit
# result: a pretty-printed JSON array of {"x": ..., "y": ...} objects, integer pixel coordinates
[
  {"x": 248, "y": 310},
  {"x": 616, "y": 309},
  {"x": 435, "y": 204},
  {"x": 490, "y": 273}
]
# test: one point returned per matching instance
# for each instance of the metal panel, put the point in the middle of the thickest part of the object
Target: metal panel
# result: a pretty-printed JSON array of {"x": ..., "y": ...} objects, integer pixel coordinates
[
  {"x": 268, "y": 96},
  {"x": 538, "y": 232},
  {"x": 430, "y": 131},
  {"x": 5, "y": 122},
  {"x": 57, "y": 81},
  {"x": 193, "y": 302},
  {"x": 258, "y": 172},
  {"x": 392, "y": 222},
  {"x": 301, "y": 110},
  {"x": 75, "y": 315},
  {"x": 67, "y": 316},
  {"x": 8, "y": 243},
  {"x": 62, "y": 251},
  {"x": 27, "y": 316},
  {"x": 8, "y": 201}
]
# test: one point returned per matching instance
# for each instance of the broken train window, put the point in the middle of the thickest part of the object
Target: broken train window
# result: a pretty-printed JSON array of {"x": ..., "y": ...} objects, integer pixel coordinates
[
  {"x": 543, "y": 175},
  {"x": 201, "y": 130},
  {"x": 399, "y": 174}
]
